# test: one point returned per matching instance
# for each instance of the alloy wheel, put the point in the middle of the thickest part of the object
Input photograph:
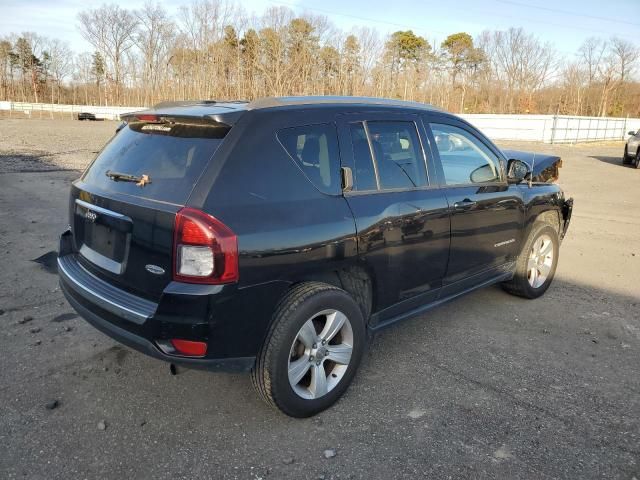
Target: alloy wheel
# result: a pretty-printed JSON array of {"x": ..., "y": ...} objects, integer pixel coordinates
[
  {"x": 320, "y": 354},
  {"x": 540, "y": 261}
]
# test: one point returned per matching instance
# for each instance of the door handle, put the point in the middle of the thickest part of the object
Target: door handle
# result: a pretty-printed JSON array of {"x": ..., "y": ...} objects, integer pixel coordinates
[{"x": 465, "y": 204}]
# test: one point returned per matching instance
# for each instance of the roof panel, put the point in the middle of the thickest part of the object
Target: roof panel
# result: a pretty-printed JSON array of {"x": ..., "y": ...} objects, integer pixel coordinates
[{"x": 230, "y": 111}]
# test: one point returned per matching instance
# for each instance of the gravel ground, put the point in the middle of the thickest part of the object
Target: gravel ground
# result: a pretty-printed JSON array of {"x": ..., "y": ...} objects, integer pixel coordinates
[
  {"x": 37, "y": 145},
  {"x": 489, "y": 386}
]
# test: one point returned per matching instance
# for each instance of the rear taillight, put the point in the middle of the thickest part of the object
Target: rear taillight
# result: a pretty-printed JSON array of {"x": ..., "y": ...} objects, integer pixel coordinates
[{"x": 205, "y": 250}]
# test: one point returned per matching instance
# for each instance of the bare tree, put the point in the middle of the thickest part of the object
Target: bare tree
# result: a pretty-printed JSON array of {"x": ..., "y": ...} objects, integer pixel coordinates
[
  {"x": 154, "y": 38},
  {"x": 60, "y": 64},
  {"x": 83, "y": 67},
  {"x": 625, "y": 55},
  {"x": 110, "y": 30},
  {"x": 213, "y": 49}
]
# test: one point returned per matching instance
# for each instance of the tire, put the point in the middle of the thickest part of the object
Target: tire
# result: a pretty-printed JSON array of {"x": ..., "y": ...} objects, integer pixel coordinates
[
  {"x": 626, "y": 160},
  {"x": 637, "y": 159},
  {"x": 300, "y": 315},
  {"x": 525, "y": 283}
]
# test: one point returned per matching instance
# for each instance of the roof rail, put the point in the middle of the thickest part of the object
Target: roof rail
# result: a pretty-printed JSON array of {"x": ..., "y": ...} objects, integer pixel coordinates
[
  {"x": 188, "y": 103},
  {"x": 268, "y": 102},
  {"x": 183, "y": 103}
]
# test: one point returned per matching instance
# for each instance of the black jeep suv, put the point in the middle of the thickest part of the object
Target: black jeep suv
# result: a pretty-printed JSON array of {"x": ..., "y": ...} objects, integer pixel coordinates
[{"x": 273, "y": 236}]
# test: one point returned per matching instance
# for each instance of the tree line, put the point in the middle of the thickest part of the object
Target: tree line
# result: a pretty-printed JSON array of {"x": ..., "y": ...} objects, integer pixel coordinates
[{"x": 211, "y": 49}]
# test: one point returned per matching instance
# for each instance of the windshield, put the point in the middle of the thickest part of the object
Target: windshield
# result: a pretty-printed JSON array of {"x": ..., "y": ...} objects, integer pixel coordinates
[{"x": 169, "y": 157}]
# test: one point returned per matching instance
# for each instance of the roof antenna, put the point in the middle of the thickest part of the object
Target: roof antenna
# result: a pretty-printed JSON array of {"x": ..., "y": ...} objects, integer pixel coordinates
[{"x": 533, "y": 163}]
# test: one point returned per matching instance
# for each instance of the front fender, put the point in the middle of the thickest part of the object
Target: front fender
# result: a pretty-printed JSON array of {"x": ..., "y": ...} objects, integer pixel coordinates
[
  {"x": 544, "y": 202},
  {"x": 567, "y": 210}
]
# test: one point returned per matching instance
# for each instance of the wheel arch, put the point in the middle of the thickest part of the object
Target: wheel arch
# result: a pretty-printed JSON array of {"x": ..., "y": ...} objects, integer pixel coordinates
[
  {"x": 355, "y": 279},
  {"x": 552, "y": 217}
]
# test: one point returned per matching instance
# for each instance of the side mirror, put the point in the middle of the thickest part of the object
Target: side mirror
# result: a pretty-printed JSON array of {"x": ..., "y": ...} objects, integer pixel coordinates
[
  {"x": 632, "y": 133},
  {"x": 517, "y": 171},
  {"x": 483, "y": 174}
]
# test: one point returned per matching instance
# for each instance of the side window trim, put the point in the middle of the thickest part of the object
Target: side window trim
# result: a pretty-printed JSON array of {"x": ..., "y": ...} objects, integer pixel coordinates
[
  {"x": 365, "y": 125},
  {"x": 420, "y": 130},
  {"x": 447, "y": 122}
]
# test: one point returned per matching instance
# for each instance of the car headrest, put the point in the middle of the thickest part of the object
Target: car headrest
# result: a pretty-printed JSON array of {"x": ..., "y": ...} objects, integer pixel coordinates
[{"x": 311, "y": 150}]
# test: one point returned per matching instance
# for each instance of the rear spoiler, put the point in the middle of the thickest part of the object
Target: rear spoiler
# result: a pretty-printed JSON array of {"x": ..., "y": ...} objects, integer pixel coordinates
[{"x": 227, "y": 119}]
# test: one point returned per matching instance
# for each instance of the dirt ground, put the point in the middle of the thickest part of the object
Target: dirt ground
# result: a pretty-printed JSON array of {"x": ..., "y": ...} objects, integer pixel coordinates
[{"x": 489, "y": 386}]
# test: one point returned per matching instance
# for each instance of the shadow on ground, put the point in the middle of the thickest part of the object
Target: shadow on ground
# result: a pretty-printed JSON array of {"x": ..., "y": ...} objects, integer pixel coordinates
[
  {"x": 617, "y": 161},
  {"x": 29, "y": 163}
]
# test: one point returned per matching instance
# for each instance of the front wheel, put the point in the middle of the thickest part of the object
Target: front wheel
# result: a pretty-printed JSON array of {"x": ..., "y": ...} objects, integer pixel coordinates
[
  {"x": 626, "y": 160},
  {"x": 312, "y": 350},
  {"x": 536, "y": 264},
  {"x": 637, "y": 159}
]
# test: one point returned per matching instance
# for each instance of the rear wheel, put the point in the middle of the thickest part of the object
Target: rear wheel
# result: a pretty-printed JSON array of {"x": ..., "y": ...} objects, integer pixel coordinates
[
  {"x": 536, "y": 264},
  {"x": 312, "y": 350}
]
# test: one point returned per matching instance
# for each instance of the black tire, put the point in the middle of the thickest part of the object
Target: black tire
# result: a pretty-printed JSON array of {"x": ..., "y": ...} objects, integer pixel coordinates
[
  {"x": 626, "y": 160},
  {"x": 270, "y": 375},
  {"x": 637, "y": 159},
  {"x": 519, "y": 285}
]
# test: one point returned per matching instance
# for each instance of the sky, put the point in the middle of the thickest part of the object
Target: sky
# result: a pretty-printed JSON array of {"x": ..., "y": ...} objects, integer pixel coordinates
[{"x": 563, "y": 23}]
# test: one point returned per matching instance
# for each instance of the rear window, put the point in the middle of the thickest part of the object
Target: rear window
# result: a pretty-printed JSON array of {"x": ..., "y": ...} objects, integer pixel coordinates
[
  {"x": 172, "y": 156},
  {"x": 315, "y": 149}
]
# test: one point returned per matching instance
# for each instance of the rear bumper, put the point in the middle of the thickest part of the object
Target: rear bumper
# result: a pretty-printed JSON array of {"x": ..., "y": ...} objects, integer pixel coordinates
[
  {"x": 141, "y": 344},
  {"x": 232, "y": 321}
]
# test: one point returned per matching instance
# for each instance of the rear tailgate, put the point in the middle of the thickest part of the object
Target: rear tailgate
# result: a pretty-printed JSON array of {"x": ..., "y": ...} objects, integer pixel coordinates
[{"x": 122, "y": 210}]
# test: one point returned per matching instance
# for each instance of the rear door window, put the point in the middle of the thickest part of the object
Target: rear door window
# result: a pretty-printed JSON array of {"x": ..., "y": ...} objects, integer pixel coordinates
[
  {"x": 171, "y": 156},
  {"x": 398, "y": 154},
  {"x": 314, "y": 148}
]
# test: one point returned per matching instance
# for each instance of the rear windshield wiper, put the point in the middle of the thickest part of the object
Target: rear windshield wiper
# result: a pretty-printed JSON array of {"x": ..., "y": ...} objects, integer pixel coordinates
[{"x": 140, "y": 180}]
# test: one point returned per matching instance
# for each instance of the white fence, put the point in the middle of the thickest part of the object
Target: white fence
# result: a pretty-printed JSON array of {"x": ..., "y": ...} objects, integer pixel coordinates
[
  {"x": 553, "y": 128},
  {"x": 52, "y": 110},
  {"x": 539, "y": 128}
]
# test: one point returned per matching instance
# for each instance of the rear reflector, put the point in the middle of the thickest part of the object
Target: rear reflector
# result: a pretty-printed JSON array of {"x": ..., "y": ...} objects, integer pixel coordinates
[
  {"x": 189, "y": 348},
  {"x": 205, "y": 250}
]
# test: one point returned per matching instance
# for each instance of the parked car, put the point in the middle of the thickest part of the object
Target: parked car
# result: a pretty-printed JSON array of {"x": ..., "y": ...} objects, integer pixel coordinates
[
  {"x": 86, "y": 116},
  {"x": 631, "y": 154},
  {"x": 273, "y": 236}
]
